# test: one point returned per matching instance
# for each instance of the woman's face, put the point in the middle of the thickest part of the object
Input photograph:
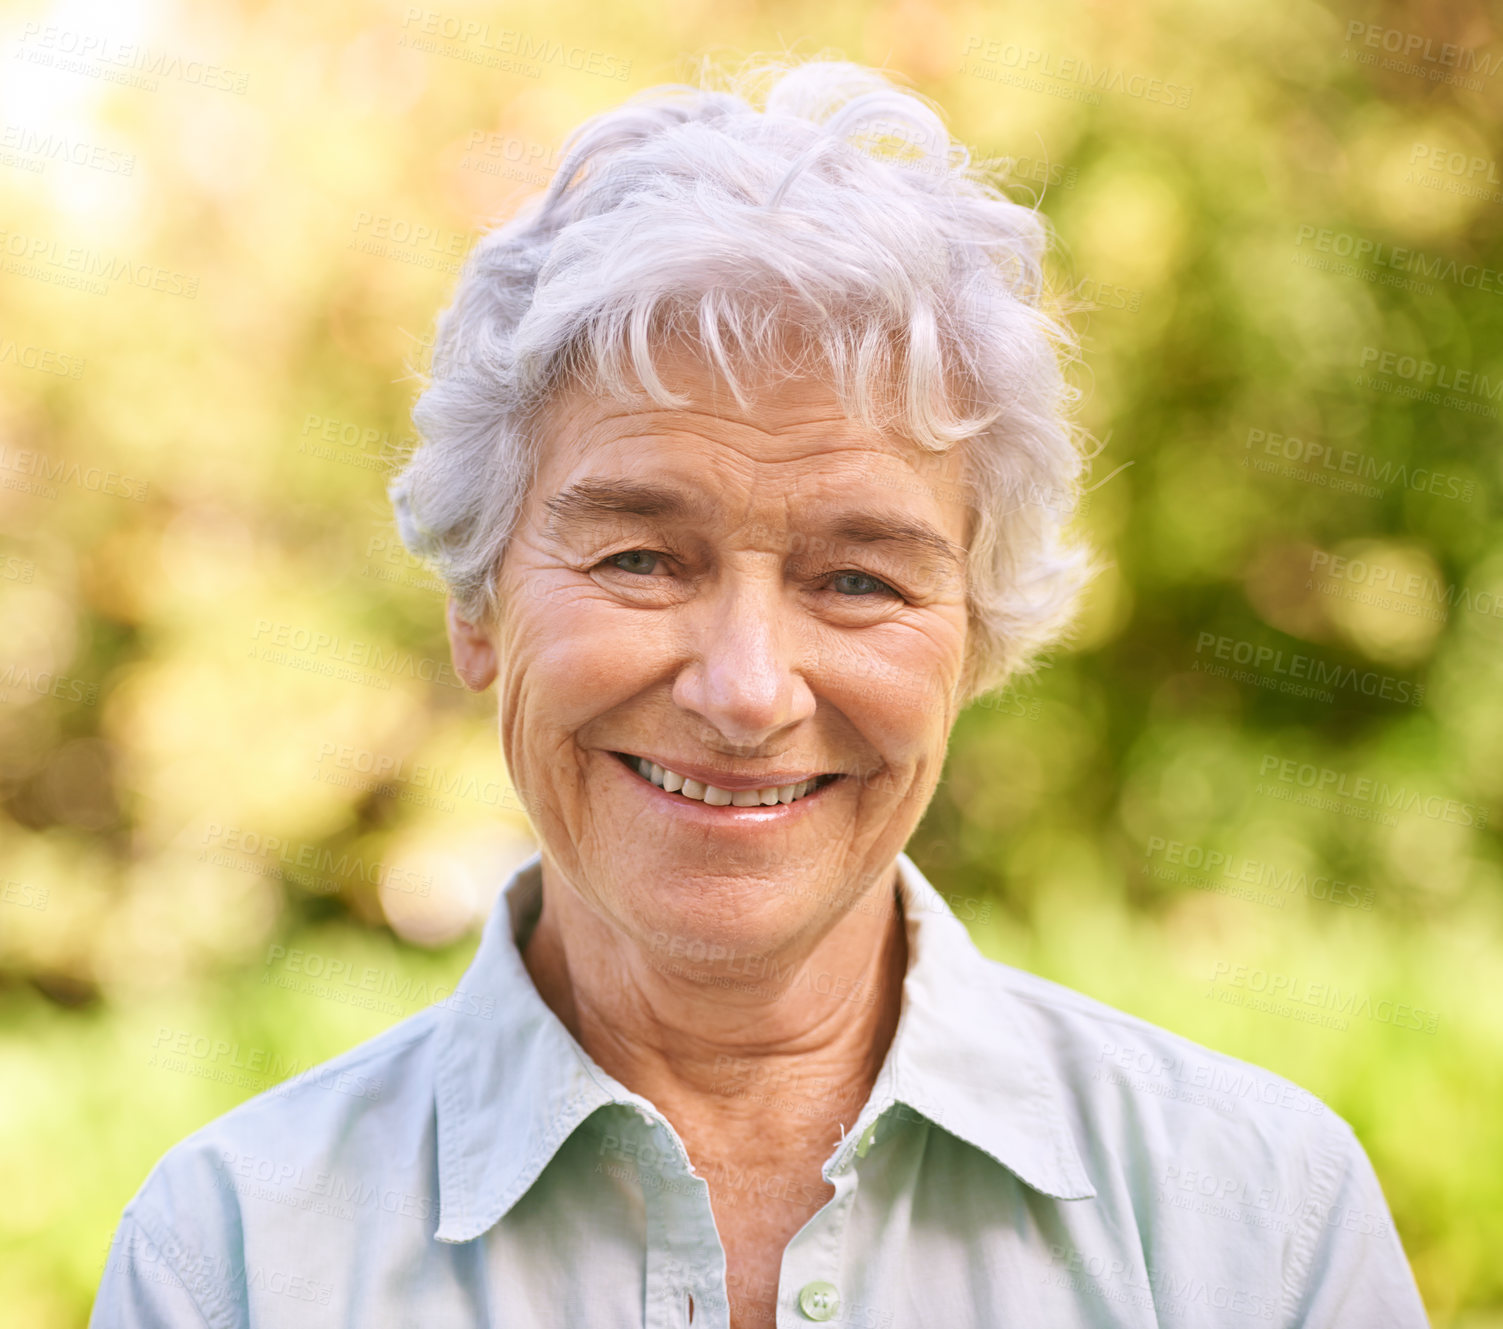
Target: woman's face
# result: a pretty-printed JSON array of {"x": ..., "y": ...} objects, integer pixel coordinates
[{"x": 752, "y": 602}]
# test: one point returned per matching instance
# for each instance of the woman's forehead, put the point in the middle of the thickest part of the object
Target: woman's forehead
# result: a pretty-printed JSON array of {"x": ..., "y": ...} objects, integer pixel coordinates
[
  {"x": 691, "y": 468},
  {"x": 791, "y": 458},
  {"x": 798, "y": 429}
]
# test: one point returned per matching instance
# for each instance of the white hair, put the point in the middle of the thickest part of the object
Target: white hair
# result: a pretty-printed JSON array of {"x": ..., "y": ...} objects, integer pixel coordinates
[{"x": 839, "y": 210}]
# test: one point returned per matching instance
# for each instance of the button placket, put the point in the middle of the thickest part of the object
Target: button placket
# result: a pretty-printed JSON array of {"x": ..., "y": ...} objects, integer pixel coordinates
[
  {"x": 809, "y": 1288},
  {"x": 684, "y": 1255}
]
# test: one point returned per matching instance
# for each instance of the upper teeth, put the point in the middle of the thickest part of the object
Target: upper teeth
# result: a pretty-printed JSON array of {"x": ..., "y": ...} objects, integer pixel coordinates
[{"x": 675, "y": 783}]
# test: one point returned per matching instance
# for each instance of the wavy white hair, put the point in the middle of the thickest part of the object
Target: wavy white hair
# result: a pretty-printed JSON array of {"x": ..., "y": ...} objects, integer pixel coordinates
[{"x": 834, "y": 206}]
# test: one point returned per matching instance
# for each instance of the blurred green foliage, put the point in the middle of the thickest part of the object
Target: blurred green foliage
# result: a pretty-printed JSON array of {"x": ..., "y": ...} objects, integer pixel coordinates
[{"x": 247, "y": 821}]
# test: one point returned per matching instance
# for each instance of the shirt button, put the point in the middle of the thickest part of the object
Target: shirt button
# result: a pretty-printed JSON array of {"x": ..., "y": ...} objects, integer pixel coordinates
[{"x": 819, "y": 1301}]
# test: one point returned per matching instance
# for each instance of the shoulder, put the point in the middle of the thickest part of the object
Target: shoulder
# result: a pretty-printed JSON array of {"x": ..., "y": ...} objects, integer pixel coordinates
[
  {"x": 336, "y": 1109},
  {"x": 1234, "y": 1177},
  {"x": 1079, "y": 1031},
  {"x": 333, "y": 1141},
  {"x": 1173, "y": 1116}
]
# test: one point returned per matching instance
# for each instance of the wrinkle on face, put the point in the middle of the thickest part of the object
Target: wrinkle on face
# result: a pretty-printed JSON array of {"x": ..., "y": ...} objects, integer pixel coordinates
[{"x": 585, "y": 671}]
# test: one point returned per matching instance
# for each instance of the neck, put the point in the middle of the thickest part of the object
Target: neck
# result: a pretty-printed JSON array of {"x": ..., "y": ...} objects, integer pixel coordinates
[{"x": 792, "y": 1047}]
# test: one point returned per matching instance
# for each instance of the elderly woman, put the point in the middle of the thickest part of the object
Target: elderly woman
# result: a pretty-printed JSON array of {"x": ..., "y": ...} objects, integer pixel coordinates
[{"x": 746, "y": 464}]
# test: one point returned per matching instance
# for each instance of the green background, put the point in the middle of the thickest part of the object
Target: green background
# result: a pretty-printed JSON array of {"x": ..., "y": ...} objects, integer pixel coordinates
[{"x": 206, "y": 831}]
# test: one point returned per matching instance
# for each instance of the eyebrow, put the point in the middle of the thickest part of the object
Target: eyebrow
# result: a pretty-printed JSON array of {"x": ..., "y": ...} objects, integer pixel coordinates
[
  {"x": 601, "y": 501},
  {"x": 890, "y": 528},
  {"x": 592, "y": 501}
]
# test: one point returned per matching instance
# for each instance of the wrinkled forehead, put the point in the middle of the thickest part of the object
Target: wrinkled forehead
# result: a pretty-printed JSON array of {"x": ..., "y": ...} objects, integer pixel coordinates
[{"x": 789, "y": 446}]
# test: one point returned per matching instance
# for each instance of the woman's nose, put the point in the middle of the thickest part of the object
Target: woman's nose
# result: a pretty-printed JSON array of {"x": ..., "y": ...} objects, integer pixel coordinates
[{"x": 745, "y": 674}]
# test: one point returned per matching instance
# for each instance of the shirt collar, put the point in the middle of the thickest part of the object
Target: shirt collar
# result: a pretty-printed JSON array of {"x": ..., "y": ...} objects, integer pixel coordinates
[
  {"x": 512, "y": 1083},
  {"x": 965, "y": 1055}
]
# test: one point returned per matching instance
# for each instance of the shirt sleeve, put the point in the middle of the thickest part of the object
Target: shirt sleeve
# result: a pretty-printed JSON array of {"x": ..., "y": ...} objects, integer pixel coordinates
[
  {"x": 142, "y": 1287},
  {"x": 1356, "y": 1274}
]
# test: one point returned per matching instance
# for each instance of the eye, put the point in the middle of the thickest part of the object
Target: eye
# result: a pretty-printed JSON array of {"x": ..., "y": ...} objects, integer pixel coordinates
[
  {"x": 635, "y": 560},
  {"x": 859, "y": 584}
]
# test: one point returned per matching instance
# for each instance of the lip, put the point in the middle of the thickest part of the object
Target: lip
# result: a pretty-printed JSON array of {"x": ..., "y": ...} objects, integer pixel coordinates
[
  {"x": 705, "y": 814},
  {"x": 727, "y": 780}
]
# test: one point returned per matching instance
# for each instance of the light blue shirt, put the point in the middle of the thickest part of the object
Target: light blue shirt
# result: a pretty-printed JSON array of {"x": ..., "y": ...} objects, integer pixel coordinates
[{"x": 1027, "y": 1157}]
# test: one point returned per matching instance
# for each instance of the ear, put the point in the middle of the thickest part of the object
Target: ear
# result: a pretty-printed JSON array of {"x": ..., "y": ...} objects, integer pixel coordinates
[{"x": 474, "y": 652}]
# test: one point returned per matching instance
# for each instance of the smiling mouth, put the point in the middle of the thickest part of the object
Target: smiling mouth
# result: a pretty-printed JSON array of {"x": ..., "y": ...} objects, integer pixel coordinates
[{"x": 671, "y": 782}]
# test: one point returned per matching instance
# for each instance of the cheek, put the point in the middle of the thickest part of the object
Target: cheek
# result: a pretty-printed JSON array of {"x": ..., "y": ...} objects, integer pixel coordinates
[
  {"x": 585, "y": 641},
  {"x": 895, "y": 684},
  {"x": 569, "y": 654}
]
